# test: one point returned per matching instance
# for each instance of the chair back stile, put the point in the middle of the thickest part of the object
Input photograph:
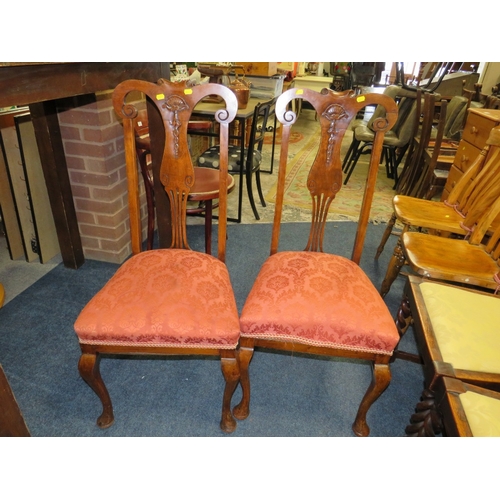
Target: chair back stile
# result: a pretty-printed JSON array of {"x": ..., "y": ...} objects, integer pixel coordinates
[
  {"x": 335, "y": 112},
  {"x": 175, "y": 112}
]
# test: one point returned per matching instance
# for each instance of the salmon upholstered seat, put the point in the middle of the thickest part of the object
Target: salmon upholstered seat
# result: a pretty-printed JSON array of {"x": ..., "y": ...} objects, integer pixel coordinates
[
  {"x": 316, "y": 298},
  {"x": 167, "y": 301},
  {"x": 182, "y": 290}
]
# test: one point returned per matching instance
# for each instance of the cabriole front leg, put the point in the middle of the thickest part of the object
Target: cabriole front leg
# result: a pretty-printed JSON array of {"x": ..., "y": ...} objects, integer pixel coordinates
[
  {"x": 231, "y": 372},
  {"x": 88, "y": 366},
  {"x": 245, "y": 353},
  {"x": 380, "y": 380}
]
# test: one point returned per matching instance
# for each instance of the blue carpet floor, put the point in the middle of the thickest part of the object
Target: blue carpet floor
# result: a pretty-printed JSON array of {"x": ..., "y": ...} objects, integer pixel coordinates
[{"x": 292, "y": 395}]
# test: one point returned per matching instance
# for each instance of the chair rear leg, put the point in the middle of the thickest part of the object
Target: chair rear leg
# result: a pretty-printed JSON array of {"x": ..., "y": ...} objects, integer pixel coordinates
[
  {"x": 231, "y": 371},
  {"x": 259, "y": 187},
  {"x": 88, "y": 366},
  {"x": 385, "y": 236},
  {"x": 208, "y": 227},
  {"x": 245, "y": 354},
  {"x": 395, "y": 265},
  {"x": 380, "y": 380},
  {"x": 250, "y": 195}
]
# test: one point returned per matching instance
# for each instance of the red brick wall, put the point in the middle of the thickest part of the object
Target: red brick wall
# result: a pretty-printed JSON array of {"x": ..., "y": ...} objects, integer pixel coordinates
[{"x": 93, "y": 144}]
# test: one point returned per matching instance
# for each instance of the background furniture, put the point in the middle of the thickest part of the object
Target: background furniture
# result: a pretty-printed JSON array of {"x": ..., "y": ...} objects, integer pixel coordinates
[
  {"x": 41, "y": 86},
  {"x": 12, "y": 423},
  {"x": 170, "y": 301},
  {"x": 396, "y": 141},
  {"x": 313, "y": 302},
  {"x": 465, "y": 410},
  {"x": 240, "y": 133},
  {"x": 27, "y": 215},
  {"x": 471, "y": 212},
  {"x": 252, "y": 153}
]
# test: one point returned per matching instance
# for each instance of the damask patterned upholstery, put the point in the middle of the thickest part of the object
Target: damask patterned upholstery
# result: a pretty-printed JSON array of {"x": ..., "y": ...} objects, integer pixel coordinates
[
  {"x": 483, "y": 414},
  {"x": 316, "y": 298},
  {"x": 165, "y": 297}
]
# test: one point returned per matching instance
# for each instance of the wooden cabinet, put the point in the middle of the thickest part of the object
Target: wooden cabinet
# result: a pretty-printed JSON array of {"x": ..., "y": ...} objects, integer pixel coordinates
[{"x": 476, "y": 132}]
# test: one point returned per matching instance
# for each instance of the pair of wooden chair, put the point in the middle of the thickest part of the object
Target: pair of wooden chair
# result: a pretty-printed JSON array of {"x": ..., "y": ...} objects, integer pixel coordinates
[{"x": 175, "y": 301}]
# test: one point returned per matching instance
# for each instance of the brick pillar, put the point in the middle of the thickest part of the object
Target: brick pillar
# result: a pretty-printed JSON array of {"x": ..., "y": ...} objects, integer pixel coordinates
[{"x": 94, "y": 148}]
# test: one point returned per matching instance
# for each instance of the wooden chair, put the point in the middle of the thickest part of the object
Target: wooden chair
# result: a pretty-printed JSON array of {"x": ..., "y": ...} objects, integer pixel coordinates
[
  {"x": 253, "y": 154},
  {"x": 456, "y": 330},
  {"x": 413, "y": 167},
  {"x": 467, "y": 410},
  {"x": 203, "y": 193},
  {"x": 310, "y": 301},
  {"x": 469, "y": 202},
  {"x": 465, "y": 262},
  {"x": 169, "y": 301},
  {"x": 414, "y": 163},
  {"x": 396, "y": 142}
]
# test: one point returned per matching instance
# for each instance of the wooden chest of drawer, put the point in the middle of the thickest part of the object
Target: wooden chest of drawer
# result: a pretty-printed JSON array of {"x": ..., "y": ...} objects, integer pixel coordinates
[
  {"x": 465, "y": 155},
  {"x": 476, "y": 132},
  {"x": 478, "y": 126}
]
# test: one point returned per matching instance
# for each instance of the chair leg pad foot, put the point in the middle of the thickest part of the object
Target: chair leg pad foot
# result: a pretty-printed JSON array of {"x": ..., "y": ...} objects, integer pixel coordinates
[
  {"x": 228, "y": 425},
  {"x": 240, "y": 413},
  {"x": 361, "y": 430},
  {"x": 105, "y": 421}
]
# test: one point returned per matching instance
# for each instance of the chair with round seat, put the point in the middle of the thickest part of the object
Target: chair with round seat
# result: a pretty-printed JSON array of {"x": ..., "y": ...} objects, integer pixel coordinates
[
  {"x": 253, "y": 154},
  {"x": 204, "y": 191}
]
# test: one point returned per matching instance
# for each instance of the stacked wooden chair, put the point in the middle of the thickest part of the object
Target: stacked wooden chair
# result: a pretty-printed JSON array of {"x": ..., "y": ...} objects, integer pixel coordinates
[{"x": 470, "y": 212}]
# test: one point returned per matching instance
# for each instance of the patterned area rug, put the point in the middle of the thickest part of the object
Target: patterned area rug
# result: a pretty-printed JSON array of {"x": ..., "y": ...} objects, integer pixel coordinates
[
  {"x": 294, "y": 138},
  {"x": 347, "y": 203}
]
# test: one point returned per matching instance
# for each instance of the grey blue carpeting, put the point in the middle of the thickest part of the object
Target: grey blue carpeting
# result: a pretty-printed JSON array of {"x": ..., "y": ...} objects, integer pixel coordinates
[{"x": 292, "y": 395}]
